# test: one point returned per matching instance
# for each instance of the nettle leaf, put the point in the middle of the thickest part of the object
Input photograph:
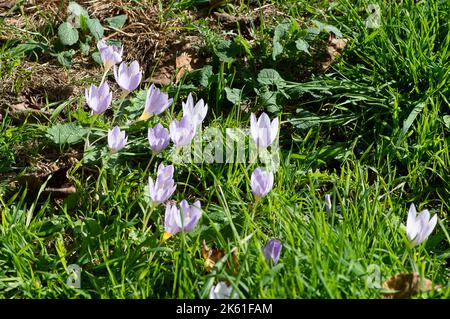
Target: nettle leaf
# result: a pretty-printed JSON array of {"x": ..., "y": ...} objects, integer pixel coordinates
[
  {"x": 68, "y": 133},
  {"x": 205, "y": 75},
  {"x": 67, "y": 34},
  {"x": 233, "y": 95},
  {"x": 117, "y": 21},
  {"x": 95, "y": 28}
]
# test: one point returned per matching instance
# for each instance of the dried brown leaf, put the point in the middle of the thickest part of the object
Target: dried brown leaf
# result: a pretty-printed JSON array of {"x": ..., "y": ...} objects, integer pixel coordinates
[
  {"x": 406, "y": 285},
  {"x": 183, "y": 65}
]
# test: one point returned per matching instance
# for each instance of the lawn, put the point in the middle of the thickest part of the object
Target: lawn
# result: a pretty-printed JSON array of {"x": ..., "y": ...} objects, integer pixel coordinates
[{"x": 215, "y": 149}]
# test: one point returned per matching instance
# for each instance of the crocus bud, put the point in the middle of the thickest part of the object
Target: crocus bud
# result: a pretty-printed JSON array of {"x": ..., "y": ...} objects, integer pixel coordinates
[
  {"x": 155, "y": 103},
  {"x": 116, "y": 139},
  {"x": 262, "y": 130},
  {"x": 197, "y": 113},
  {"x": 158, "y": 138},
  {"x": 261, "y": 182},
  {"x": 272, "y": 250},
  {"x": 128, "y": 77},
  {"x": 98, "y": 98},
  {"x": 161, "y": 190},
  {"x": 181, "y": 132},
  {"x": 110, "y": 54},
  {"x": 419, "y": 227},
  {"x": 222, "y": 291}
]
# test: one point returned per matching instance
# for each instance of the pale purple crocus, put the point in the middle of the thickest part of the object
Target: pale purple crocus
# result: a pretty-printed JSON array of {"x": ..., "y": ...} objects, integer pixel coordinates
[
  {"x": 158, "y": 138},
  {"x": 419, "y": 227},
  {"x": 170, "y": 225},
  {"x": 128, "y": 77},
  {"x": 272, "y": 250},
  {"x": 222, "y": 291},
  {"x": 164, "y": 186},
  {"x": 155, "y": 103},
  {"x": 261, "y": 182},
  {"x": 262, "y": 130},
  {"x": 190, "y": 215},
  {"x": 116, "y": 139},
  {"x": 110, "y": 54},
  {"x": 98, "y": 98},
  {"x": 181, "y": 132},
  {"x": 186, "y": 219},
  {"x": 196, "y": 113}
]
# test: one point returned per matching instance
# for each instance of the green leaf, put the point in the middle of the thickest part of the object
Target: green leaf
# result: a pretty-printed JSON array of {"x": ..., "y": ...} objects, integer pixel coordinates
[
  {"x": 233, "y": 95},
  {"x": 77, "y": 10},
  {"x": 97, "y": 58},
  {"x": 95, "y": 28},
  {"x": 269, "y": 101},
  {"x": 117, "y": 21},
  {"x": 205, "y": 75},
  {"x": 66, "y": 133},
  {"x": 446, "y": 119},
  {"x": 84, "y": 48},
  {"x": 270, "y": 77},
  {"x": 280, "y": 31},
  {"x": 224, "y": 51},
  {"x": 328, "y": 28},
  {"x": 302, "y": 45},
  {"x": 410, "y": 120},
  {"x": 67, "y": 34},
  {"x": 65, "y": 57}
]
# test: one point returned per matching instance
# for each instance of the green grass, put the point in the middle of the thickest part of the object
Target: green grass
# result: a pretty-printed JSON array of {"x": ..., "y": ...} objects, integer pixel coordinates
[{"x": 391, "y": 88}]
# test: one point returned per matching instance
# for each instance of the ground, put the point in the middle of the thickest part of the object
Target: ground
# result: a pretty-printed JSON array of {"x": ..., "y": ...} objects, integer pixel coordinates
[{"x": 360, "y": 89}]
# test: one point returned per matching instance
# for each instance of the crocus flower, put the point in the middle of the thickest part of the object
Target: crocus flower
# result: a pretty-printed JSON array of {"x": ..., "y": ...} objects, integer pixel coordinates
[
  {"x": 158, "y": 138},
  {"x": 328, "y": 204},
  {"x": 176, "y": 221},
  {"x": 261, "y": 182},
  {"x": 190, "y": 215},
  {"x": 98, "y": 98},
  {"x": 116, "y": 139},
  {"x": 182, "y": 132},
  {"x": 419, "y": 227},
  {"x": 110, "y": 54},
  {"x": 161, "y": 190},
  {"x": 262, "y": 130},
  {"x": 170, "y": 221},
  {"x": 222, "y": 291},
  {"x": 156, "y": 102},
  {"x": 196, "y": 113},
  {"x": 128, "y": 76},
  {"x": 272, "y": 250}
]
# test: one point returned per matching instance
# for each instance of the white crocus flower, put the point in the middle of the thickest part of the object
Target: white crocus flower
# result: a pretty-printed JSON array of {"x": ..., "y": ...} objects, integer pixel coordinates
[{"x": 419, "y": 227}]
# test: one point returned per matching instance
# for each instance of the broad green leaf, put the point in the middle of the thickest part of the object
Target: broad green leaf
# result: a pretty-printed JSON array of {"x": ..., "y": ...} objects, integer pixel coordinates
[
  {"x": 84, "y": 48},
  {"x": 233, "y": 95},
  {"x": 302, "y": 45},
  {"x": 65, "y": 57},
  {"x": 117, "y": 21},
  {"x": 280, "y": 31},
  {"x": 68, "y": 133},
  {"x": 76, "y": 9},
  {"x": 270, "y": 77},
  {"x": 268, "y": 99},
  {"x": 97, "y": 58},
  {"x": 95, "y": 28},
  {"x": 446, "y": 119},
  {"x": 67, "y": 34}
]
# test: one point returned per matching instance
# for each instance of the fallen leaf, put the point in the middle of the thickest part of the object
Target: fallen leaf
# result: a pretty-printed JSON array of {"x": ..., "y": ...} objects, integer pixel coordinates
[
  {"x": 212, "y": 255},
  {"x": 183, "y": 65},
  {"x": 405, "y": 285},
  {"x": 334, "y": 49}
]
